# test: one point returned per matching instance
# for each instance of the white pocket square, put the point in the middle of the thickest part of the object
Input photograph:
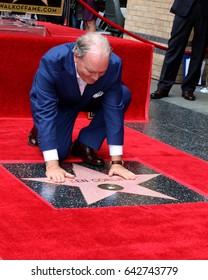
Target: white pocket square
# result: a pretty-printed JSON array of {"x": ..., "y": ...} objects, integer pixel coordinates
[{"x": 98, "y": 94}]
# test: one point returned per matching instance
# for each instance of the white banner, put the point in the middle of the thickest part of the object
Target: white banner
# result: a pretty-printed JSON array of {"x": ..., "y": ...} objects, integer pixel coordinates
[{"x": 121, "y": 270}]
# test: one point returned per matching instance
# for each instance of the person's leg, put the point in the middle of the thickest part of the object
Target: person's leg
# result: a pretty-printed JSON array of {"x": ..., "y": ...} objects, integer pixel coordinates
[
  {"x": 90, "y": 25},
  {"x": 180, "y": 33},
  {"x": 89, "y": 18},
  {"x": 65, "y": 124},
  {"x": 199, "y": 45},
  {"x": 176, "y": 46}
]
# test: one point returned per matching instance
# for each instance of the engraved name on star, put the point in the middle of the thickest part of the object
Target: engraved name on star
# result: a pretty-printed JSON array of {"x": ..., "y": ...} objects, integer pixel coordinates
[{"x": 88, "y": 181}]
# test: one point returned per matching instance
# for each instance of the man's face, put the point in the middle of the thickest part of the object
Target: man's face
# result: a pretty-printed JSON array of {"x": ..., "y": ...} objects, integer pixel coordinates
[{"x": 92, "y": 66}]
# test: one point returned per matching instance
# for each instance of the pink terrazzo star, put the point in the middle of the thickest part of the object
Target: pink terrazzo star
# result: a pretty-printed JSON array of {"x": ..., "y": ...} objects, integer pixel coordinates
[{"x": 88, "y": 181}]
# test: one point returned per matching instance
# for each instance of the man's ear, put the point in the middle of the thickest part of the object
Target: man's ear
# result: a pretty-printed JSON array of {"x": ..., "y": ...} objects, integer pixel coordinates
[{"x": 75, "y": 57}]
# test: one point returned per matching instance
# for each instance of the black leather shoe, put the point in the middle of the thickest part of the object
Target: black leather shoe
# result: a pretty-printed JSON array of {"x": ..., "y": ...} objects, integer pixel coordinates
[
  {"x": 159, "y": 93},
  {"x": 188, "y": 95},
  {"x": 33, "y": 137},
  {"x": 86, "y": 153}
]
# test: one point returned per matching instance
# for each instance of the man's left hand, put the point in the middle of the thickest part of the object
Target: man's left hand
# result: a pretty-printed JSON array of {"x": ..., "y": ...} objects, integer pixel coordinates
[{"x": 118, "y": 169}]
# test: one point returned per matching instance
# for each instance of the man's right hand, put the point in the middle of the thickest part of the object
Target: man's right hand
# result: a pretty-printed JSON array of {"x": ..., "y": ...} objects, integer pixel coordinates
[{"x": 55, "y": 173}]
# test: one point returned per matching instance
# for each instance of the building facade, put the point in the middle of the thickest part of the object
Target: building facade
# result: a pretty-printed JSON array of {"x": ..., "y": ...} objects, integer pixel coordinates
[{"x": 152, "y": 20}]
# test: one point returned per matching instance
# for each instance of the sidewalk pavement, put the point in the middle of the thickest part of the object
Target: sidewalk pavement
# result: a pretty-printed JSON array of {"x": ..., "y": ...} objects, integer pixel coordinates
[{"x": 200, "y": 105}]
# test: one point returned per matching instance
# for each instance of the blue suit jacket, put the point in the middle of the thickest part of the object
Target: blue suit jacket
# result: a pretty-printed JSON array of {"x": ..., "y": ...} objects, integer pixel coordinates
[
  {"x": 182, "y": 7},
  {"x": 55, "y": 87}
]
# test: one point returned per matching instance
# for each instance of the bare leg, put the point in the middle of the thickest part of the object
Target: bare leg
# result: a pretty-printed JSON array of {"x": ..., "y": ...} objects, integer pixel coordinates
[{"x": 90, "y": 25}]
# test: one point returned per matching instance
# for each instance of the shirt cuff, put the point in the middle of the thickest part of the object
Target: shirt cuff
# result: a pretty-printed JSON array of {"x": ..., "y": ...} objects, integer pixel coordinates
[
  {"x": 116, "y": 150},
  {"x": 50, "y": 155}
]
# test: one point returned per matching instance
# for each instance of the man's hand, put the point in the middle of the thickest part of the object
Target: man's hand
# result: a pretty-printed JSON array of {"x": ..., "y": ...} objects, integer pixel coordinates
[
  {"x": 118, "y": 169},
  {"x": 55, "y": 173}
]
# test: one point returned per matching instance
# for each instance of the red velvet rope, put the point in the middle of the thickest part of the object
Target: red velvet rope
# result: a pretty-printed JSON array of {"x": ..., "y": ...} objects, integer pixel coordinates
[
  {"x": 119, "y": 27},
  {"x": 126, "y": 31}
]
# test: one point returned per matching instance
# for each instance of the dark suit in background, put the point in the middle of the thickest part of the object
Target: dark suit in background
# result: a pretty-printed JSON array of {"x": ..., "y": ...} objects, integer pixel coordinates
[{"x": 189, "y": 15}]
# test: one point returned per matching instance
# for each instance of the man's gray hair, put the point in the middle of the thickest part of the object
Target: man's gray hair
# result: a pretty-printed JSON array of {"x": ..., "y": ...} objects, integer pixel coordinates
[{"x": 85, "y": 42}]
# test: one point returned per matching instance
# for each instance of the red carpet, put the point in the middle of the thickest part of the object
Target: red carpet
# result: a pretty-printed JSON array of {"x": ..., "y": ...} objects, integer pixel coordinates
[
  {"x": 18, "y": 67},
  {"x": 31, "y": 229}
]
